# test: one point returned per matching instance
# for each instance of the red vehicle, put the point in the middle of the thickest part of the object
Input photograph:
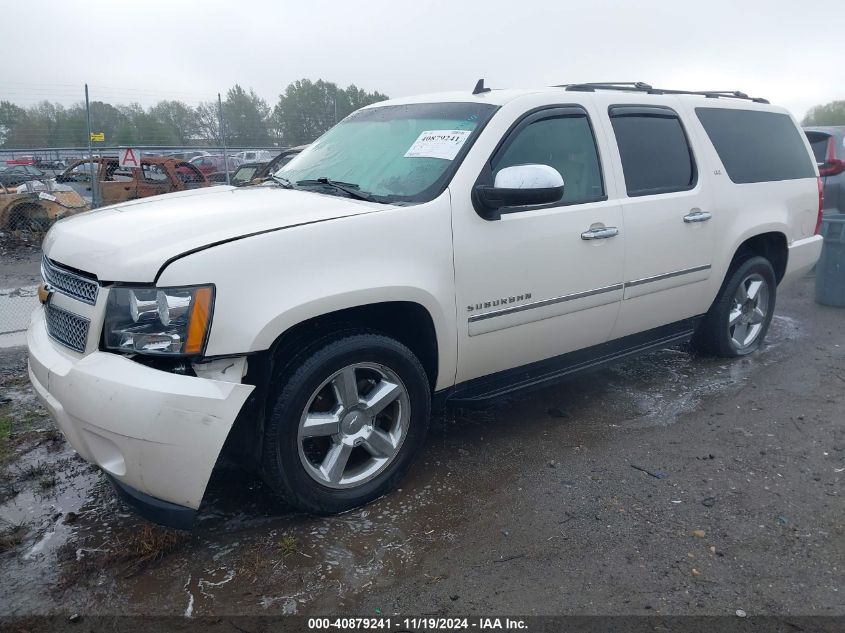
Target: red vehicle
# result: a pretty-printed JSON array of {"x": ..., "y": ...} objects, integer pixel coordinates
[
  {"x": 214, "y": 163},
  {"x": 21, "y": 160}
]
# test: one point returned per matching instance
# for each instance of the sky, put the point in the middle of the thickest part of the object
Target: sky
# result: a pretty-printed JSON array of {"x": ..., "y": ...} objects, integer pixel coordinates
[{"x": 789, "y": 52}]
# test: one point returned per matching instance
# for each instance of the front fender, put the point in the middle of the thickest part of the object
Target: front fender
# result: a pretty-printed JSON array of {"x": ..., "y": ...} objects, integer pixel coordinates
[{"x": 268, "y": 283}]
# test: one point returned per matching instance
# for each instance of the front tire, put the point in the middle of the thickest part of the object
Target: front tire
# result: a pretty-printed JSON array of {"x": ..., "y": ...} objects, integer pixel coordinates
[
  {"x": 346, "y": 424},
  {"x": 739, "y": 318}
]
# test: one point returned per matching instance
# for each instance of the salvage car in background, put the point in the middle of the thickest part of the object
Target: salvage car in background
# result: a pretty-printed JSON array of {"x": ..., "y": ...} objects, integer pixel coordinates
[
  {"x": 26, "y": 159},
  {"x": 215, "y": 163},
  {"x": 255, "y": 172},
  {"x": 828, "y": 145},
  {"x": 19, "y": 174},
  {"x": 37, "y": 210},
  {"x": 186, "y": 155},
  {"x": 116, "y": 184},
  {"x": 254, "y": 155}
]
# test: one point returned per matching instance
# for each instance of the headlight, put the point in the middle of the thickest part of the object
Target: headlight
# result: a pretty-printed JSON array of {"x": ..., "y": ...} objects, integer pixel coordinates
[{"x": 160, "y": 321}]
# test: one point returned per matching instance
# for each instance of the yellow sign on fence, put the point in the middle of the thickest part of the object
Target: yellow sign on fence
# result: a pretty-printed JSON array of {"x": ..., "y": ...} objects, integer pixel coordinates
[{"x": 98, "y": 136}]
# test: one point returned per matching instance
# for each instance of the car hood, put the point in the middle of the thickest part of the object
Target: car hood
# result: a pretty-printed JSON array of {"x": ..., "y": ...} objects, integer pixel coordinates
[{"x": 131, "y": 241}]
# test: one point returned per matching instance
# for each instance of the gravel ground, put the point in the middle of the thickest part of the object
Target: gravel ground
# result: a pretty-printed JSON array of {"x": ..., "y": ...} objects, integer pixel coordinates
[{"x": 670, "y": 485}]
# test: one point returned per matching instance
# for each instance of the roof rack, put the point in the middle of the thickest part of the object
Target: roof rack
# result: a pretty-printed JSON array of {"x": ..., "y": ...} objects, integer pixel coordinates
[{"x": 639, "y": 86}]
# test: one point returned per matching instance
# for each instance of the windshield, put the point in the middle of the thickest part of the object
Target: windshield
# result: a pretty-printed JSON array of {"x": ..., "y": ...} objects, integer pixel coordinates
[{"x": 400, "y": 153}]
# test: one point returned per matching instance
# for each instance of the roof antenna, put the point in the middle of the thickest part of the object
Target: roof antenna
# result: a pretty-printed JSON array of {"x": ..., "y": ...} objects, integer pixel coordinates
[{"x": 479, "y": 88}]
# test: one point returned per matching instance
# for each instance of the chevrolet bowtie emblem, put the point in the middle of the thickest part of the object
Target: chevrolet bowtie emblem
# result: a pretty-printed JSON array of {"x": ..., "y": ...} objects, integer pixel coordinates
[{"x": 44, "y": 292}]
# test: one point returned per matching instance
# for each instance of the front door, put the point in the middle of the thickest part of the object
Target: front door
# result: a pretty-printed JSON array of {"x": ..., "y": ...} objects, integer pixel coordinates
[{"x": 533, "y": 285}]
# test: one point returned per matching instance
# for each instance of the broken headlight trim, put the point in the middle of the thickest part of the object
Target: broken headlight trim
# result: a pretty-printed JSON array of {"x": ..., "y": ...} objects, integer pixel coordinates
[{"x": 158, "y": 321}]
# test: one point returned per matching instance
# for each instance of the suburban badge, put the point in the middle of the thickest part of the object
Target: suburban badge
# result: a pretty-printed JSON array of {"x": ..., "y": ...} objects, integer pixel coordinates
[{"x": 499, "y": 302}]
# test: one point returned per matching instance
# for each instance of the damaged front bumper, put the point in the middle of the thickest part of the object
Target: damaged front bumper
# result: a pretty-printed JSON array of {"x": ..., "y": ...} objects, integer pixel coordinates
[{"x": 157, "y": 435}]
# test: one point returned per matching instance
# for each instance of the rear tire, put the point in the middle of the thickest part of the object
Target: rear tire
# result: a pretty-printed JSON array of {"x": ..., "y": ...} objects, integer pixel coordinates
[
  {"x": 347, "y": 421},
  {"x": 739, "y": 318}
]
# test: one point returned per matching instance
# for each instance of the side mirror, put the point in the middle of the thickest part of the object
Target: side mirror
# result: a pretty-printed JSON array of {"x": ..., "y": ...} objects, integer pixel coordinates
[{"x": 521, "y": 185}]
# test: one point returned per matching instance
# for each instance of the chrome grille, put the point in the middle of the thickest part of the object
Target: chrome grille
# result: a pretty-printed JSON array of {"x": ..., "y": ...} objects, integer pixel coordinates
[
  {"x": 68, "y": 329},
  {"x": 68, "y": 283}
]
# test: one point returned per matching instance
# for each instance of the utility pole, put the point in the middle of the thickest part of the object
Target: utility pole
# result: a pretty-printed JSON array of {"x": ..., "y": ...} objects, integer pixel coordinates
[
  {"x": 223, "y": 137},
  {"x": 94, "y": 196}
]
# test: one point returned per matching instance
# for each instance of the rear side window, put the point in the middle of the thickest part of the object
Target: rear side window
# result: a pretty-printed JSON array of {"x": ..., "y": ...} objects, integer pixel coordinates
[
  {"x": 656, "y": 156},
  {"x": 756, "y": 146}
]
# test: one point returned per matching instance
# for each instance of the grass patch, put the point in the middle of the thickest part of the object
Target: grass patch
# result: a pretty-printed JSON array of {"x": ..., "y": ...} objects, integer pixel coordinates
[
  {"x": 148, "y": 544},
  {"x": 48, "y": 481},
  {"x": 5, "y": 432},
  {"x": 287, "y": 545},
  {"x": 53, "y": 436},
  {"x": 8, "y": 489},
  {"x": 13, "y": 536},
  {"x": 35, "y": 471},
  {"x": 253, "y": 562},
  {"x": 20, "y": 380}
]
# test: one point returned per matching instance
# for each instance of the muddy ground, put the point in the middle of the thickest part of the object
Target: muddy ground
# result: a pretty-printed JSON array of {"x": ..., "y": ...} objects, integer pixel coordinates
[
  {"x": 671, "y": 484},
  {"x": 20, "y": 257}
]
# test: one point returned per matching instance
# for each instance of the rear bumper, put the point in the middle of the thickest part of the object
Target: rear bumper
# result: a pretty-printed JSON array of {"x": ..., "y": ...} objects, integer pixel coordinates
[
  {"x": 156, "y": 434},
  {"x": 803, "y": 255}
]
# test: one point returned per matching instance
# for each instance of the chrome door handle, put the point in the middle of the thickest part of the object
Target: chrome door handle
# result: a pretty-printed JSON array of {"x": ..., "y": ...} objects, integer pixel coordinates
[
  {"x": 600, "y": 233},
  {"x": 697, "y": 215}
]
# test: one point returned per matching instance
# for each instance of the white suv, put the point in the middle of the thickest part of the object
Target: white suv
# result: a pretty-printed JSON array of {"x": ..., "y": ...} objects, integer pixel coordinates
[{"x": 445, "y": 249}]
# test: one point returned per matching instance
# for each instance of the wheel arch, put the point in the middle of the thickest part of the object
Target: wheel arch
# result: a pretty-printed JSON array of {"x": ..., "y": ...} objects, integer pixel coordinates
[
  {"x": 772, "y": 245},
  {"x": 409, "y": 322}
]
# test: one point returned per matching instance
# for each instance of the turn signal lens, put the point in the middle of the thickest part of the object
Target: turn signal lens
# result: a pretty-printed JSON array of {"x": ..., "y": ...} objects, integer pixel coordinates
[{"x": 200, "y": 316}]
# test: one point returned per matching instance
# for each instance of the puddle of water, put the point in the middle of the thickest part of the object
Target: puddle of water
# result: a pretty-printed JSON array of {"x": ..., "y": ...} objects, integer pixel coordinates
[
  {"x": 660, "y": 387},
  {"x": 43, "y": 509}
]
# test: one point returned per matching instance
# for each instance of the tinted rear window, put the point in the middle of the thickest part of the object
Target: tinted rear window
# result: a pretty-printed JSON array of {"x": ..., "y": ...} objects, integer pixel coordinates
[
  {"x": 757, "y": 146},
  {"x": 656, "y": 157}
]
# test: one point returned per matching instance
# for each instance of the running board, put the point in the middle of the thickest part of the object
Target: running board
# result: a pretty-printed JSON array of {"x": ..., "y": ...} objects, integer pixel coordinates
[{"x": 481, "y": 391}]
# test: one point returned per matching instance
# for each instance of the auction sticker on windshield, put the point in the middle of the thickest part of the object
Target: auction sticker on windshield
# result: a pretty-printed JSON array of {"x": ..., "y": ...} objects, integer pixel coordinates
[{"x": 438, "y": 144}]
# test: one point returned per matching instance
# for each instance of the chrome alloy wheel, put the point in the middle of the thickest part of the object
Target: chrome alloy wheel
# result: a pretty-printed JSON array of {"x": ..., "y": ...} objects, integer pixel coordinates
[
  {"x": 749, "y": 311},
  {"x": 353, "y": 425}
]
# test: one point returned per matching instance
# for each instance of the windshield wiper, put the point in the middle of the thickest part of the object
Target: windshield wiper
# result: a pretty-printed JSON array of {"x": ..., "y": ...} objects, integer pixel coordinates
[
  {"x": 349, "y": 188},
  {"x": 281, "y": 181}
]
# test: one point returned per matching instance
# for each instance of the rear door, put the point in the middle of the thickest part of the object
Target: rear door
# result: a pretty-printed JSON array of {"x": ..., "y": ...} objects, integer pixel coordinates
[{"x": 666, "y": 210}]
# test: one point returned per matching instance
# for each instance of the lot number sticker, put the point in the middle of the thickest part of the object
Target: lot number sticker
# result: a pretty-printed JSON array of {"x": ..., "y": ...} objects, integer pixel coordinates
[{"x": 438, "y": 144}]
